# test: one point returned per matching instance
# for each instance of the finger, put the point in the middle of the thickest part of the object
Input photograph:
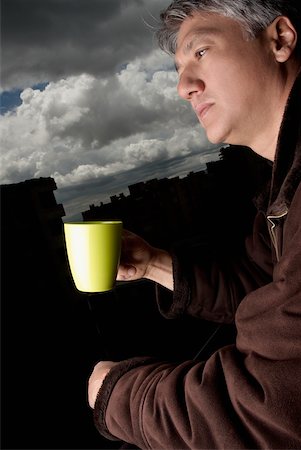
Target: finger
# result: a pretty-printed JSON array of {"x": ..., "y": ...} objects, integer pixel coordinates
[{"x": 126, "y": 272}]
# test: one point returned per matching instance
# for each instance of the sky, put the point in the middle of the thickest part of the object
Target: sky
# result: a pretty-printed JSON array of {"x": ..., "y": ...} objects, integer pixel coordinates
[{"x": 88, "y": 98}]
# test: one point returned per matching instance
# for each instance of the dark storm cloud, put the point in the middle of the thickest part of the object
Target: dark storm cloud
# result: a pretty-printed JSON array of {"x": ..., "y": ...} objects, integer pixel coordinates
[{"x": 49, "y": 39}]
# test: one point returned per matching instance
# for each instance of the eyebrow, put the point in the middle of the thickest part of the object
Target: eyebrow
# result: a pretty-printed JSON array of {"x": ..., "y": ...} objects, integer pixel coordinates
[{"x": 201, "y": 33}]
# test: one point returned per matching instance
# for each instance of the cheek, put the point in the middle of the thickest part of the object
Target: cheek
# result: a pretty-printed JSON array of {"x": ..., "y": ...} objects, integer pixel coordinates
[
  {"x": 238, "y": 90},
  {"x": 237, "y": 72}
]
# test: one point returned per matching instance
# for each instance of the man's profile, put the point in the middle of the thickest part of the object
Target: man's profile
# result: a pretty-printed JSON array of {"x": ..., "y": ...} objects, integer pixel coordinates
[{"x": 239, "y": 65}]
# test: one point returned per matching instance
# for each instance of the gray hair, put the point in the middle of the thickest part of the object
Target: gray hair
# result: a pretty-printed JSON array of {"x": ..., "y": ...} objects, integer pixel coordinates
[{"x": 253, "y": 15}]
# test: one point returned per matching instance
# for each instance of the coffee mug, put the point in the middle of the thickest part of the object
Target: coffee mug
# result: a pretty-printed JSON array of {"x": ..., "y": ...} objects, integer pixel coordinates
[{"x": 93, "y": 250}]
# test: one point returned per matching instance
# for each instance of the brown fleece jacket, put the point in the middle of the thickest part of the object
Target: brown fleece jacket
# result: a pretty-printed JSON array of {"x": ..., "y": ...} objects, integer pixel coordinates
[{"x": 246, "y": 395}]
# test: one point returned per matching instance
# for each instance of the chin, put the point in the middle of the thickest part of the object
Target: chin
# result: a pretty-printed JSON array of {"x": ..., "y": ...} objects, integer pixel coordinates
[
  {"x": 215, "y": 139},
  {"x": 218, "y": 136}
]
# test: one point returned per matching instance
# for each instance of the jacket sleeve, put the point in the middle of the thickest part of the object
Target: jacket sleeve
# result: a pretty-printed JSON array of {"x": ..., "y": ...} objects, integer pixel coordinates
[
  {"x": 211, "y": 287},
  {"x": 231, "y": 401},
  {"x": 246, "y": 395}
]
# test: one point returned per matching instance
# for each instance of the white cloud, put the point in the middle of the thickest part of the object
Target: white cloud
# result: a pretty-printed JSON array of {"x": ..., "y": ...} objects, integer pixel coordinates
[
  {"x": 88, "y": 172},
  {"x": 83, "y": 127}
]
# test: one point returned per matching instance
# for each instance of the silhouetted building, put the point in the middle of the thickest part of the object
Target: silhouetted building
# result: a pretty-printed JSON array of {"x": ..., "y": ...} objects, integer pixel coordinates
[
  {"x": 49, "y": 338},
  {"x": 203, "y": 207},
  {"x": 32, "y": 223}
]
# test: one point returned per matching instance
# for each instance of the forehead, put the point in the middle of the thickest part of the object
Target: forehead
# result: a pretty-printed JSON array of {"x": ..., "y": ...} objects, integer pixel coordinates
[
  {"x": 198, "y": 34},
  {"x": 205, "y": 26}
]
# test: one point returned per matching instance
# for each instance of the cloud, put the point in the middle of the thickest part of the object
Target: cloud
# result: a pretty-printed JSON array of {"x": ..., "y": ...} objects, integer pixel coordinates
[
  {"x": 52, "y": 39},
  {"x": 109, "y": 115},
  {"x": 84, "y": 127}
]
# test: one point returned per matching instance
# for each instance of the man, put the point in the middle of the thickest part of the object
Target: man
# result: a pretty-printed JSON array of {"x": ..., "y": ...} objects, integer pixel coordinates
[{"x": 238, "y": 63}]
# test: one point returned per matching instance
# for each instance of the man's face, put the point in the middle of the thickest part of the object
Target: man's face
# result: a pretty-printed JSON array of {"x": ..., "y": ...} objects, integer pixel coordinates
[{"x": 231, "y": 83}]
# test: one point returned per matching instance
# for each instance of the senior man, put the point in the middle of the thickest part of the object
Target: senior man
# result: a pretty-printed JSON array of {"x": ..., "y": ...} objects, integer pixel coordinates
[{"x": 239, "y": 66}]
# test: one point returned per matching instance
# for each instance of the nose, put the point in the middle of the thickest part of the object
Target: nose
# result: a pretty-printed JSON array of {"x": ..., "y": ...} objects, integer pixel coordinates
[{"x": 189, "y": 84}]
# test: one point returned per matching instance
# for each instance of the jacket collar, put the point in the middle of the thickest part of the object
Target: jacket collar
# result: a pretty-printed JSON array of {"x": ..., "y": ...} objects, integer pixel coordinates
[
  {"x": 275, "y": 198},
  {"x": 286, "y": 174}
]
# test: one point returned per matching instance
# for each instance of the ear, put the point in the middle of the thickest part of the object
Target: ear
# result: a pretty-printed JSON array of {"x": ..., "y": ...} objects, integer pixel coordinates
[{"x": 283, "y": 38}]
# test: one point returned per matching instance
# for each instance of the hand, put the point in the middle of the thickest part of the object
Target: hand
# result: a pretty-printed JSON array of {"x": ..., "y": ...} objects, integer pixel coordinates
[
  {"x": 136, "y": 255},
  {"x": 96, "y": 379},
  {"x": 140, "y": 260}
]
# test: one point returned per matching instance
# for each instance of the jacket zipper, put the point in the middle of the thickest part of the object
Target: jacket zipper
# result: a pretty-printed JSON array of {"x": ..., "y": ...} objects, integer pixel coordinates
[{"x": 275, "y": 242}]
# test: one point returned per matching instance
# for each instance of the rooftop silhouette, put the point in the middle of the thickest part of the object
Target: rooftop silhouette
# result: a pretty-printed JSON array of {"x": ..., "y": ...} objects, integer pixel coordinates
[{"x": 168, "y": 212}]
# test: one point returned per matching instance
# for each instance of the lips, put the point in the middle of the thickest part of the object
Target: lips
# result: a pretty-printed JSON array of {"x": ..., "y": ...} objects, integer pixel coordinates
[{"x": 201, "y": 110}]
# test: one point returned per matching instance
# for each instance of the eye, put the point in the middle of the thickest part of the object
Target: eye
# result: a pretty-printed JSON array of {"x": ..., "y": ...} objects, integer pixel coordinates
[{"x": 200, "y": 53}]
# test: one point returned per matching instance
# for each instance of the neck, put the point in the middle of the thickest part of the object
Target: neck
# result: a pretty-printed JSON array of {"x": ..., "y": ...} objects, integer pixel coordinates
[
  {"x": 266, "y": 145},
  {"x": 265, "y": 141}
]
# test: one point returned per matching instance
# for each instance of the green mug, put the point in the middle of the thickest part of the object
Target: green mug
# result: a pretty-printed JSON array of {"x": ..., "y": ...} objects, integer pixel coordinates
[{"x": 93, "y": 250}]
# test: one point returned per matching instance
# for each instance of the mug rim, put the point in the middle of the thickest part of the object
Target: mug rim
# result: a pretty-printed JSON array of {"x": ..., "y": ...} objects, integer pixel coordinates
[{"x": 95, "y": 222}]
